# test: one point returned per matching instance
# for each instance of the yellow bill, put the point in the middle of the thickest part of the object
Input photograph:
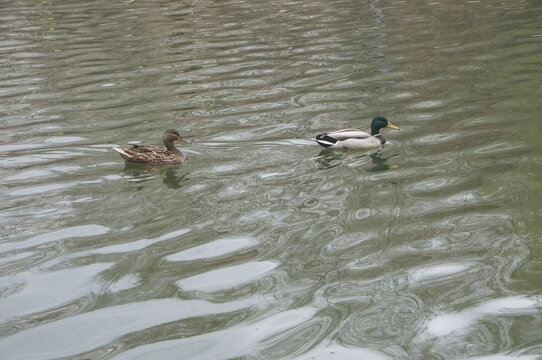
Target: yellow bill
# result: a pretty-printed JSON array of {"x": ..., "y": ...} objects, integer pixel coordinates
[{"x": 392, "y": 126}]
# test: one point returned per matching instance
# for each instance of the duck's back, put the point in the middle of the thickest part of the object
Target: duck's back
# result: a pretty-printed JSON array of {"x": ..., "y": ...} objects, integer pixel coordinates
[
  {"x": 348, "y": 134},
  {"x": 150, "y": 154},
  {"x": 348, "y": 139}
]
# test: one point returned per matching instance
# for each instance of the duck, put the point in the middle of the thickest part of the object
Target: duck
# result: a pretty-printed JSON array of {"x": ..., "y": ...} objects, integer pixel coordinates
[
  {"x": 356, "y": 139},
  {"x": 156, "y": 154}
]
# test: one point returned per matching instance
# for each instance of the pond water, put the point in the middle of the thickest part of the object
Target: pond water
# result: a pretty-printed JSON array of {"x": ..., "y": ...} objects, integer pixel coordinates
[{"x": 264, "y": 245}]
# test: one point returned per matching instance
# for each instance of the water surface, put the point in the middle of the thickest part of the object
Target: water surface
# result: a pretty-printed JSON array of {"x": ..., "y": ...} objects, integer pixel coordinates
[{"x": 265, "y": 245}]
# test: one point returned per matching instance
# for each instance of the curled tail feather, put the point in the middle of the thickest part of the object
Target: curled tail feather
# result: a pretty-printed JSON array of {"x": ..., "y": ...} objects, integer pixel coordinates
[{"x": 325, "y": 140}]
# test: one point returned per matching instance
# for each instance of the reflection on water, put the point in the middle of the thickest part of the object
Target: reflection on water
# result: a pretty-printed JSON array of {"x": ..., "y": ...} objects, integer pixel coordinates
[
  {"x": 172, "y": 180},
  {"x": 380, "y": 162},
  {"x": 171, "y": 175},
  {"x": 263, "y": 245},
  {"x": 328, "y": 159}
]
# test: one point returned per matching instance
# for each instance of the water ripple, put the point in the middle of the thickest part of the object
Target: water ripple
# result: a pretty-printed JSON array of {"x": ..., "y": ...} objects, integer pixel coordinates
[
  {"x": 226, "y": 277},
  {"x": 78, "y": 336},
  {"x": 263, "y": 244}
]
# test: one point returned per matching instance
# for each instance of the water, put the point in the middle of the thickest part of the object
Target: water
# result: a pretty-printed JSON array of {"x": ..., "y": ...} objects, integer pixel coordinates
[{"x": 265, "y": 245}]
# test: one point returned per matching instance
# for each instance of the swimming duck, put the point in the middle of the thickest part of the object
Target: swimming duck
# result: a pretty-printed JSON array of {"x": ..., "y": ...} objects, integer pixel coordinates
[
  {"x": 156, "y": 154},
  {"x": 356, "y": 139}
]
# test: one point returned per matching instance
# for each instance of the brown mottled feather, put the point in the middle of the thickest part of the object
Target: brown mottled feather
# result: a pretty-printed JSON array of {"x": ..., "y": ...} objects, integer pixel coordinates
[
  {"x": 151, "y": 154},
  {"x": 156, "y": 154}
]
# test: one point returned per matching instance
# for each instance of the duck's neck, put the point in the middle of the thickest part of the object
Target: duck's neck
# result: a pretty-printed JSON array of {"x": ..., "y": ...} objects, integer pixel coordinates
[{"x": 171, "y": 147}]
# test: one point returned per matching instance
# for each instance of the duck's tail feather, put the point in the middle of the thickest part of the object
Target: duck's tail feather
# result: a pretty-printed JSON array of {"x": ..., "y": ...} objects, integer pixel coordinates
[
  {"x": 325, "y": 140},
  {"x": 122, "y": 153}
]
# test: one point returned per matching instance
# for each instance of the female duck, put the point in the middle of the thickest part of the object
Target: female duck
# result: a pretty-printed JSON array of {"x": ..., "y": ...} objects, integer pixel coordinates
[
  {"x": 356, "y": 139},
  {"x": 156, "y": 154}
]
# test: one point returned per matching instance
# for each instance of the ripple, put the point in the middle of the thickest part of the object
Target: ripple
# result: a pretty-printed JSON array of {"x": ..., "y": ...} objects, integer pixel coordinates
[
  {"x": 81, "y": 231},
  {"x": 496, "y": 148},
  {"x": 389, "y": 317},
  {"x": 134, "y": 245},
  {"x": 41, "y": 173},
  {"x": 505, "y": 357},
  {"x": 348, "y": 241},
  {"x": 398, "y": 254},
  {"x": 64, "y": 139},
  {"x": 432, "y": 184},
  {"x": 26, "y": 160},
  {"x": 335, "y": 351},
  {"x": 35, "y": 292},
  {"x": 458, "y": 322},
  {"x": 438, "y": 271},
  {"x": 427, "y": 104},
  {"x": 227, "y": 277},
  {"x": 213, "y": 249},
  {"x": 86, "y": 331},
  {"x": 224, "y": 344},
  {"x": 125, "y": 283},
  {"x": 40, "y": 189}
]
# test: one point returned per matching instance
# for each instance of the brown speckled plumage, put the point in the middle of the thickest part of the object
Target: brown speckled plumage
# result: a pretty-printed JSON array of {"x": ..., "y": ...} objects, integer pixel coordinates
[{"x": 155, "y": 154}]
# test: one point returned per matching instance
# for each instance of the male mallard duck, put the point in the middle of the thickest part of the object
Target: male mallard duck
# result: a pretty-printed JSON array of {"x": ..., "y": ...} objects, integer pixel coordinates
[
  {"x": 156, "y": 154},
  {"x": 354, "y": 138}
]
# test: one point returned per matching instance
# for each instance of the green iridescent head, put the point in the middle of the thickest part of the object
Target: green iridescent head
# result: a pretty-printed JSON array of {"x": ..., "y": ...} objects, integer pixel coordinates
[{"x": 380, "y": 122}]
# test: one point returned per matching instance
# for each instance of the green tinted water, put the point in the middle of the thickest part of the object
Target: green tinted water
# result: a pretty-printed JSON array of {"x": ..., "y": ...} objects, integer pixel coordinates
[{"x": 265, "y": 245}]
